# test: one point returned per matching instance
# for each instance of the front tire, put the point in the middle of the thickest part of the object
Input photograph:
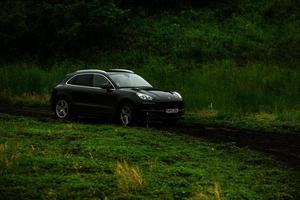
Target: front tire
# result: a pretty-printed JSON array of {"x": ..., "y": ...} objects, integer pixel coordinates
[
  {"x": 126, "y": 114},
  {"x": 62, "y": 109}
]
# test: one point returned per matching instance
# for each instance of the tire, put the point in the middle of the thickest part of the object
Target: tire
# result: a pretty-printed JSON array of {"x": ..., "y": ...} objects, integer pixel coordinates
[
  {"x": 62, "y": 109},
  {"x": 126, "y": 114}
]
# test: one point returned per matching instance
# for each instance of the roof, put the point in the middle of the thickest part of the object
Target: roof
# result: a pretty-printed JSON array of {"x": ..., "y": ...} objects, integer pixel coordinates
[
  {"x": 104, "y": 72},
  {"x": 91, "y": 70},
  {"x": 120, "y": 70}
]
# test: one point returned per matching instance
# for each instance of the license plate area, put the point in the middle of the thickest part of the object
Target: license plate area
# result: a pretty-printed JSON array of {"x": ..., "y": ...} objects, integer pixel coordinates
[{"x": 172, "y": 110}]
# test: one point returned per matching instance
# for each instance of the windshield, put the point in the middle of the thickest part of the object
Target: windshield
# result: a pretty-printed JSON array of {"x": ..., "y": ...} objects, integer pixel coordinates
[{"x": 129, "y": 80}]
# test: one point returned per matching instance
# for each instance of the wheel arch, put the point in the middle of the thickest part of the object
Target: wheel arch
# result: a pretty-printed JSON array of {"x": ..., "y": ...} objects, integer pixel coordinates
[{"x": 123, "y": 101}]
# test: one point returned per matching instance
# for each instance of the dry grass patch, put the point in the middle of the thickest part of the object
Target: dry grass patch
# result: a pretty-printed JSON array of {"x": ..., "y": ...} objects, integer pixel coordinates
[
  {"x": 213, "y": 193},
  {"x": 9, "y": 155},
  {"x": 129, "y": 177}
]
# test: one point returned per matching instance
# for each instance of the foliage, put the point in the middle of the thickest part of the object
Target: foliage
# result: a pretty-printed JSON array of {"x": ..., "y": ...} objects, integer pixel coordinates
[
  {"x": 45, "y": 27},
  {"x": 199, "y": 30}
]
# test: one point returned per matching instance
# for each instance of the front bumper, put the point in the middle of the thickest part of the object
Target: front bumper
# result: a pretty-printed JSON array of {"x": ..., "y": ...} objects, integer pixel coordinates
[{"x": 157, "y": 110}]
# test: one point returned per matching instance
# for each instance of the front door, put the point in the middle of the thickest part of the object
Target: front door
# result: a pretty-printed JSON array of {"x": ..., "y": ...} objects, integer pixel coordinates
[{"x": 104, "y": 100}]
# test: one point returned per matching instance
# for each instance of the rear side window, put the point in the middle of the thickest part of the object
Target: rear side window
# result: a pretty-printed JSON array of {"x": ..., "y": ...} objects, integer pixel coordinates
[
  {"x": 99, "y": 80},
  {"x": 82, "y": 80}
]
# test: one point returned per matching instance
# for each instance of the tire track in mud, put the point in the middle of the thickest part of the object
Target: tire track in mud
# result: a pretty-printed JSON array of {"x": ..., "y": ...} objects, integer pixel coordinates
[{"x": 284, "y": 147}]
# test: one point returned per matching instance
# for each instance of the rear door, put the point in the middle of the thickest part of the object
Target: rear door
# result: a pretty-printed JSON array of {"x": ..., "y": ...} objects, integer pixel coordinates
[{"x": 81, "y": 87}]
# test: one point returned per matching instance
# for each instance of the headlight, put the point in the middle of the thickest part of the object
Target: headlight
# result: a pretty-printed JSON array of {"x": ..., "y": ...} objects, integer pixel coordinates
[
  {"x": 177, "y": 94},
  {"x": 144, "y": 96}
]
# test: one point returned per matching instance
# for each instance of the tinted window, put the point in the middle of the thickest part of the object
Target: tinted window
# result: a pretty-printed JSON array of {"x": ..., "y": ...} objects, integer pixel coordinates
[
  {"x": 83, "y": 80},
  {"x": 99, "y": 80}
]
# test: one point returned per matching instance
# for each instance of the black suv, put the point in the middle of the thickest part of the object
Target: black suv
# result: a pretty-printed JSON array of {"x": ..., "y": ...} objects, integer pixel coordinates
[{"x": 116, "y": 94}]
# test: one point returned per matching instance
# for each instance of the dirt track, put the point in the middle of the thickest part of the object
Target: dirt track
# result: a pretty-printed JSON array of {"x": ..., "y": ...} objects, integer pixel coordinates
[{"x": 285, "y": 147}]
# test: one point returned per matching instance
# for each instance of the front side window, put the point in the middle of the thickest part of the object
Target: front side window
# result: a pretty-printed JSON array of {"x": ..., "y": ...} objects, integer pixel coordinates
[
  {"x": 129, "y": 80},
  {"x": 82, "y": 80},
  {"x": 99, "y": 81}
]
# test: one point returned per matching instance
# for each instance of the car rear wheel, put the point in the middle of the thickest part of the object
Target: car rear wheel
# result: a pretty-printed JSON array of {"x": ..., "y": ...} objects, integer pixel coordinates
[
  {"x": 126, "y": 114},
  {"x": 62, "y": 109}
]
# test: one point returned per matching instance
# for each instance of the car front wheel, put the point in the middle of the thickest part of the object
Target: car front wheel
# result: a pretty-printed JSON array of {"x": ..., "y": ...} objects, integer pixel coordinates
[
  {"x": 126, "y": 114},
  {"x": 62, "y": 109}
]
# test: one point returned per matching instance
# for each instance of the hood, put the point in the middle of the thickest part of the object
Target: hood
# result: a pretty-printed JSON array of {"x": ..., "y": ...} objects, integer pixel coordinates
[{"x": 158, "y": 95}]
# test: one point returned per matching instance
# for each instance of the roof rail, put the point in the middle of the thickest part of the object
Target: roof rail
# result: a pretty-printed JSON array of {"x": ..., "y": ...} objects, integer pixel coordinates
[
  {"x": 120, "y": 70},
  {"x": 91, "y": 70}
]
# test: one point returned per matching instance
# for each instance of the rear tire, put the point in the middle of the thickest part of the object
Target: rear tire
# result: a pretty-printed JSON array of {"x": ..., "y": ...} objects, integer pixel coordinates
[
  {"x": 126, "y": 114},
  {"x": 62, "y": 109}
]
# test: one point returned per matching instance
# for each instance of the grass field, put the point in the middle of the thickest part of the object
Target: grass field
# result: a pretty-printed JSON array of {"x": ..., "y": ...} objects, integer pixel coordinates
[
  {"x": 236, "y": 64},
  {"x": 54, "y": 160}
]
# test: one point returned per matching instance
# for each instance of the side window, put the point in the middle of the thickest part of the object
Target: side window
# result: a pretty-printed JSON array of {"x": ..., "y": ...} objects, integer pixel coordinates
[
  {"x": 82, "y": 80},
  {"x": 99, "y": 80}
]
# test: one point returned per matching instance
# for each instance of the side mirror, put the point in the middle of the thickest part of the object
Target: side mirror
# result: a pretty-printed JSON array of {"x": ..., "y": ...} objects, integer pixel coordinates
[{"x": 106, "y": 86}]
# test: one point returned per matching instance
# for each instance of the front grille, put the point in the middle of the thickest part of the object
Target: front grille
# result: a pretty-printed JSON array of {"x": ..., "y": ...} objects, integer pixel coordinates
[{"x": 163, "y": 105}]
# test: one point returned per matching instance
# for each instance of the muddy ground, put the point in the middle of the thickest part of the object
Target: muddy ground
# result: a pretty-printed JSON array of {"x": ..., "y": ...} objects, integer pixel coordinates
[{"x": 284, "y": 147}]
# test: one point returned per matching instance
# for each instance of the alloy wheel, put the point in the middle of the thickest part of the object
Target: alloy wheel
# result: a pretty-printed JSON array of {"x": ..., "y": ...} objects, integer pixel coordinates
[
  {"x": 62, "y": 109},
  {"x": 126, "y": 115}
]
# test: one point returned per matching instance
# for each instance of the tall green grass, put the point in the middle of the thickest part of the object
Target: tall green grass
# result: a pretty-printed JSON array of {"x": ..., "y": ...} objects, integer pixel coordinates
[
  {"x": 33, "y": 78},
  {"x": 228, "y": 88},
  {"x": 220, "y": 85}
]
